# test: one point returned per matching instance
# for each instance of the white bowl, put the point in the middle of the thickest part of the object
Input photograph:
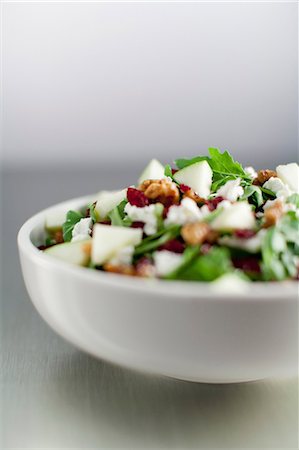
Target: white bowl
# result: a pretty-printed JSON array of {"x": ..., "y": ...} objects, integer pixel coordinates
[{"x": 179, "y": 329}]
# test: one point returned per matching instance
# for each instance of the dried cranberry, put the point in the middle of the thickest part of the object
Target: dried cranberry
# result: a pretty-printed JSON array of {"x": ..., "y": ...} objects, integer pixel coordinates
[
  {"x": 174, "y": 245},
  {"x": 105, "y": 222},
  {"x": 173, "y": 171},
  {"x": 137, "y": 224},
  {"x": 244, "y": 234},
  {"x": 137, "y": 198},
  {"x": 212, "y": 204},
  {"x": 165, "y": 211},
  {"x": 184, "y": 188},
  {"x": 247, "y": 264}
]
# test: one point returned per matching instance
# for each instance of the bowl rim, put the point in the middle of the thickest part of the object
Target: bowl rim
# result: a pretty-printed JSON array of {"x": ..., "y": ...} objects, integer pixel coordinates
[{"x": 175, "y": 289}]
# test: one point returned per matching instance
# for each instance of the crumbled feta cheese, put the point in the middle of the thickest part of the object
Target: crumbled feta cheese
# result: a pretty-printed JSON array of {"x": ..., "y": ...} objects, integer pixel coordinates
[
  {"x": 82, "y": 230},
  {"x": 231, "y": 190},
  {"x": 252, "y": 245},
  {"x": 275, "y": 185},
  {"x": 166, "y": 262},
  {"x": 148, "y": 215},
  {"x": 123, "y": 257},
  {"x": 224, "y": 204},
  {"x": 186, "y": 212},
  {"x": 251, "y": 172}
]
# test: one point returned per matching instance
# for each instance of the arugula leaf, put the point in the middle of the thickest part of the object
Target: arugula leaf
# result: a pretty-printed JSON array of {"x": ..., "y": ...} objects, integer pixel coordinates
[
  {"x": 92, "y": 212},
  {"x": 118, "y": 217},
  {"x": 153, "y": 242},
  {"x": 208, "y": 267},
  {"x": 188, "y": 256},
  {"x": 168, "y": 171},
  {"x": 294, "y": 200},
  {"x": 72, "y": 218},
  {"x": 185, "y": 162},
  {"x": 254, "y": 194}
]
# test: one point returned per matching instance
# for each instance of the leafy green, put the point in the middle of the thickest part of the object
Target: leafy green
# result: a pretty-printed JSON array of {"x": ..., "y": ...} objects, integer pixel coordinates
[
  {"x": 72, "y": 218},
  {"x": 188, "y": 256},
  {"x": 50, "y": 241},
  {"x": 118, "y": 217},
  {"x": 207, "y": 267},
  {"x": 253, "y": 194},
  {"x": 168, "y": 171},
  {"x": 92, "y": 212},
  {"x": 153, "y": 242},
  {"x": 223, "y": 165},
  {"x": 294, "y": 200},
  {"x": 279, "y": 249},
  {"x": 267, "y": 193}
]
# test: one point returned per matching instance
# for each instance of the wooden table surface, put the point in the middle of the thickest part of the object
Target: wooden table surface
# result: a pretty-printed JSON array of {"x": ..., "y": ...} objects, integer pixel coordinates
[{"x": 54, "y": 396}]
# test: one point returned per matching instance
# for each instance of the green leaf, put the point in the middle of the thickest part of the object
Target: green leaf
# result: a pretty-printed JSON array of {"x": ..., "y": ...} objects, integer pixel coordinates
[
  {"x": 225, "y": 168},
  {"x": 72, "y": 218},
  {"x": 168, "y": 171},
  {"x": 253, "y": 194},
  {"x": 188, "y": 256},
  {"x": 118, "y": 217},
  {"x": 153, "y": 242},
  {"x": 208, "y": 267},
  {"x": 294, "y": 200},
  {"x": 185, "y": 162},
  {"x": 92, "y": 212}
]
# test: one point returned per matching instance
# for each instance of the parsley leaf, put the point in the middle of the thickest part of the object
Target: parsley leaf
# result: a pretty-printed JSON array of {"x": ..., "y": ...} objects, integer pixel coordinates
[{"x": 72, "y": 218}]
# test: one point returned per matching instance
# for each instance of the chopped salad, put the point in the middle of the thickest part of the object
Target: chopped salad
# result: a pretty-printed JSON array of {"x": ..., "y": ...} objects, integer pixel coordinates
[{"x": 201, "y": 219}]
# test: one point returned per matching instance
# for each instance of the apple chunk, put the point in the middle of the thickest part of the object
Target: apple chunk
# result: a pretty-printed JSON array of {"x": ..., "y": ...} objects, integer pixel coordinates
[
  {"x": 153, "y": 171},
  {"x": 108, "y": 240},
  {"x": 289, "y": 174},
  {"x": 108, "y": 200},
  {"x": 237, "y": 216},
  {"x": 55, "y": 220},
  {"x": 197, "y": 176},
  {"x": 73, "y": 252}
]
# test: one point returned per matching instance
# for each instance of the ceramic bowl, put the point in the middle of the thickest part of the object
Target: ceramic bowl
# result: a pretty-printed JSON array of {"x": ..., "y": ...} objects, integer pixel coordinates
[{"x": 184, "y": 330}]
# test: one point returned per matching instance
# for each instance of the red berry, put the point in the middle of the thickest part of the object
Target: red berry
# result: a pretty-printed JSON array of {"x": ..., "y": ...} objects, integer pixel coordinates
[
  {"x": 137, "y": 198},
  {"x": 247, "y": 264},
  {"x": 212, "y": 204},
  {"x": 174, "y": 245},
  {"x": 184, "y": 188},
  {"x": 244, "y": 234},
  {"x": 137, "y": 225}
]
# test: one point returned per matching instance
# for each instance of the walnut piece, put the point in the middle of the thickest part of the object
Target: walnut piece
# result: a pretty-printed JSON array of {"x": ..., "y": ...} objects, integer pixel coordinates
[
  {"x": 195, "y": 233},
  {"x": 163, "y": 191},
  {"x": 273, "y": 214},
  {"x": 191, "y": 194},
  {"x": 121, "y": 269},
  {"x": 263, "y": 176}
]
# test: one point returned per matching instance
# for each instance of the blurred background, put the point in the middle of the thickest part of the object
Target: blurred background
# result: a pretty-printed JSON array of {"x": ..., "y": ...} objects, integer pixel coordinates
[
  {"x": 114, "y": 84},
  {"x": 90, "y": 92}
]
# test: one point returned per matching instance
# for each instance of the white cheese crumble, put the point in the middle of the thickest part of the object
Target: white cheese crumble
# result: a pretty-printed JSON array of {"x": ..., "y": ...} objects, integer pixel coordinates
[
  {"x": 275, "y": 185},
  {"x": 230, "y": 283},
  {"x": 251, "y": 172},
  {"x": 286, "y": 207},
  {"x": 252, "y": 245},
  {"x": 231, "y": 190},
  {"x": 186, "y": 212},
  {"x": 166, "y": 262},
  {"x": 123, "y": 257},
  {"x": 148, "y": 215},
  {"x": 82, "y": 230}
]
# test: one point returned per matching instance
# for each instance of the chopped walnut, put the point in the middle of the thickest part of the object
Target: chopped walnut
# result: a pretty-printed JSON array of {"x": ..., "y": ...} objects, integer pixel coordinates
[
  {"x": 263, "y": 176},
  {"x": 191, "y": 194},
  {"x": 121, "y": 269},
  {"x": 273, "y": 214},
  {"x": 163, "y": 191},
  {"x": 58, "y": 236},
  {"x": 195, "y": 233}
]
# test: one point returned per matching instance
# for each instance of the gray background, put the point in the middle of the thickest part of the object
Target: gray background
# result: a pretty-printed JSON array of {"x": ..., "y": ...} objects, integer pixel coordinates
[{"x": 87, "y": 83}]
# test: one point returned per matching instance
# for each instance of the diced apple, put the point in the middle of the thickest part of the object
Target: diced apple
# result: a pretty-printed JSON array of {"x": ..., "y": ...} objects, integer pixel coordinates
[
  {"x": 107, "y": 200},
  {"x": 153, "y": 171},
  {"x": 237, "y": 216},
  {"x": 289, "y": 174},
  {"x": 55, "y": 220},
  {"x": 198, "y": 176},
  {"x": 73, "y": 252},
  {"x": 108, "y": 240}
]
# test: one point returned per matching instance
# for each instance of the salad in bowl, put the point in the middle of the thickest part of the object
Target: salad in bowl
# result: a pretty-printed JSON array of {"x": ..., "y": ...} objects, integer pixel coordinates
[{"x": 203, "y": 219}]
